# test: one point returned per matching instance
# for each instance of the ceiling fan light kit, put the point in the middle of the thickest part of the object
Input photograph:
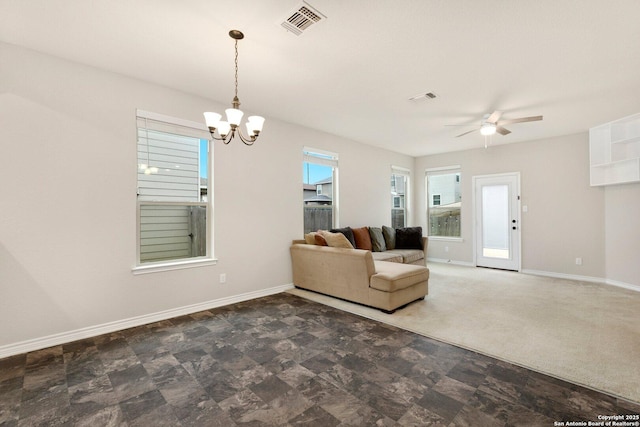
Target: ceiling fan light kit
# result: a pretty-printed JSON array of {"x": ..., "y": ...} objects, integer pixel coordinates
[
  {"x": 492, "y": 124},
  {"x": 488, "y": 129}
]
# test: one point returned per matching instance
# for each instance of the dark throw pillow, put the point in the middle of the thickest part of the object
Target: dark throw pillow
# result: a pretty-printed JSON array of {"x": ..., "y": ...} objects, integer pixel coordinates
[
  {"x": 348, "y": 233},
  {"x": 409, "y": 238},
  {"x": 377, "y": 239},
  {"x": 389, "y": 237}
]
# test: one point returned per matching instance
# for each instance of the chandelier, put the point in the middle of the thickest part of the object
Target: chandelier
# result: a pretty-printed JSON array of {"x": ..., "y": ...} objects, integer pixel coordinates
[{"x": 228, "y": 129}]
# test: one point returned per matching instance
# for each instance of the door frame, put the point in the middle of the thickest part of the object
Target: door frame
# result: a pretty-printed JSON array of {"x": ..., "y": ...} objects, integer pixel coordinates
[{"x": 516, "y": 209}]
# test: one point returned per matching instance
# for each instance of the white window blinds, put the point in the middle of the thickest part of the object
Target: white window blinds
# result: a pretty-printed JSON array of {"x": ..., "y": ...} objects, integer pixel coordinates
[{"x": 168, "y": 158}]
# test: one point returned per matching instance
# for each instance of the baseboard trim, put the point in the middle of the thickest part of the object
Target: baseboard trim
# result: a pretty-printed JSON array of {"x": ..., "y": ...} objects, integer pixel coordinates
[
  {"x": 92, "y": 331},
  {"x": 564, "y": 276},
  {"x": 449, "y": 261},
  {"x": 623, "y": 285},
  {"x": 583, "y": 279},
  {"x": 552, "y": 274}
]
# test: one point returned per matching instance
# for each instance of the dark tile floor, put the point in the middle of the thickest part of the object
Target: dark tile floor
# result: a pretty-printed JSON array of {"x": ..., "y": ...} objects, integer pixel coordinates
[{"x": 281, "y": 360}]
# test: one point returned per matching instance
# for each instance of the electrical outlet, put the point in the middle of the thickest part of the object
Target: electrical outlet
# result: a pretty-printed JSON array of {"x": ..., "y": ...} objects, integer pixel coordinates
[
  {"x": 446, "y": 248},
  {"x": 223, "y": 278},
  {"x": 578, "y": 261}
]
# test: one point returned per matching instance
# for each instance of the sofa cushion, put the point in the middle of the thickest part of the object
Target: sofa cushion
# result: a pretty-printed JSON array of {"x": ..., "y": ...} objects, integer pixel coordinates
[
  {"x": 408, "y": 256},
  {"x": 391, "y": 276},
  {"x": 389, "y": 256},
  {"x": 336, "y": 240},
  {"x": 389, "y": 237},
  {"x": 362, "y": 238},
  {"x": 348, "y": 233},
  {"x": 409, "y": 238},
  {"x": 377, "y": 239}
]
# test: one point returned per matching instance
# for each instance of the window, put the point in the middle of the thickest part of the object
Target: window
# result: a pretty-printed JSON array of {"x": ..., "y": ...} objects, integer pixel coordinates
[
  {"x": 444, "y": 201},
  {"x": 319, "y": 189},
  {"x": 399, "y": 196},
  {"x": 174, "y": 204}
]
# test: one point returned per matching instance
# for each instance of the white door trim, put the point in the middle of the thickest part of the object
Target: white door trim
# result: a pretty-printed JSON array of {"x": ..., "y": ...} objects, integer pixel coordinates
[{"x": 515, "y": 212}]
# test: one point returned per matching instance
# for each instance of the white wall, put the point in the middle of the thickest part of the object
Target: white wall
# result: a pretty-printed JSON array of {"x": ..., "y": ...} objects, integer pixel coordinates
[
  {"x": 565, "y": 218},
  {"x": 622, "y": 210},
  {"x": 68, "y": 199}
]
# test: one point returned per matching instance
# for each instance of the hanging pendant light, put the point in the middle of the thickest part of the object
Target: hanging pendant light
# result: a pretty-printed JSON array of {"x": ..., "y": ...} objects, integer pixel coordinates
[{"x": 227, "y": 129}]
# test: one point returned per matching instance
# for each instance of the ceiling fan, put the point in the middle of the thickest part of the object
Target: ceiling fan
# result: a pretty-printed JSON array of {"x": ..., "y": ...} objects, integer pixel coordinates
[{"x": 491, "y": 124}]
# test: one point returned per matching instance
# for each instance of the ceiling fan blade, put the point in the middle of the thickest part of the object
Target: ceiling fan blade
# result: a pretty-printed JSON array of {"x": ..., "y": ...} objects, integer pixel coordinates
[
  {"x": 502, "y": 131},
  {"x": 467, "y": 132},
  {"x": 520, "y": 120},
  {"x": 494, "y": 117}
]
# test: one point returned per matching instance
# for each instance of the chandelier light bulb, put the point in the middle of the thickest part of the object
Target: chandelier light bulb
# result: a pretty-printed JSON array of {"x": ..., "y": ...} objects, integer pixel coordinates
[
  {"x": 212, "y": 119},
  {"x": 234, "y": 116},
  {"x": 256, "y": 123},
  {"x": 224, "y": 128}
]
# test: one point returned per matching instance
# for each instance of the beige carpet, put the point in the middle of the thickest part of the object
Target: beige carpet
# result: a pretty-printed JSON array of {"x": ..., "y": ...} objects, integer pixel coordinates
[{"x": 585, "y": 333}]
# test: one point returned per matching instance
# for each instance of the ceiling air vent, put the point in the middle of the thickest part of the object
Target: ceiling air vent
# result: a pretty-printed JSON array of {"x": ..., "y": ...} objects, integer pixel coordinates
[
  {"x": 423, "y": 96},
  {"x": 301, "y": 18}
]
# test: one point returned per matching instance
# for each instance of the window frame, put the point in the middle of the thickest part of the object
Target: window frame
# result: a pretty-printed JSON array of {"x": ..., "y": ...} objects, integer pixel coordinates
[
  {"x": 406, "y": 173},
  {"x": 325, "y": 158},
  {"x": 446, "y": 170},
  {"x": 163, "y": 123}
]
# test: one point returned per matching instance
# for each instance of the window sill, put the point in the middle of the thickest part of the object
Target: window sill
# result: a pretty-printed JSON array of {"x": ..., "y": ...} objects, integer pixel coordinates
[
  {"x": 173, "y": 265},
  {"x": 446, "y": 239}
]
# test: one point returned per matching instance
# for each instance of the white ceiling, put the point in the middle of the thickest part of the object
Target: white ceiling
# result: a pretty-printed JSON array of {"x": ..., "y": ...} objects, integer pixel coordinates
[{"x": 576, "y": 62}]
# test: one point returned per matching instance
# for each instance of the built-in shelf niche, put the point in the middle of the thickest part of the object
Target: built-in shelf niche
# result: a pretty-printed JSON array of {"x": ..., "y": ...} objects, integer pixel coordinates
[{"x": 614, "y": 150}]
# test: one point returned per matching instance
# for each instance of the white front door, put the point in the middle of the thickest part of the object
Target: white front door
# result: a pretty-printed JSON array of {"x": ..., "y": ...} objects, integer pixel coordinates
[{"x": 497, "y": 221}]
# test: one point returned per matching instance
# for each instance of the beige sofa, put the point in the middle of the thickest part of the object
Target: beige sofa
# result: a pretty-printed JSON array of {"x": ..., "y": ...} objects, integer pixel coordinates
[
  {"x": 354, "y": 275},
  {"x": 405, "y": 256}
]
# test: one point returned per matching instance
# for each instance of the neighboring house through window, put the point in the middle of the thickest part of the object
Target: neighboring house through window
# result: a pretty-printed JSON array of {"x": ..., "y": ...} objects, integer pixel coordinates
[
  {"x": 320, "y": 173},
  {"x": 174, "y": 204},
  {"x": 444, "y": 199},
  {"x": 399, "y": 196}
]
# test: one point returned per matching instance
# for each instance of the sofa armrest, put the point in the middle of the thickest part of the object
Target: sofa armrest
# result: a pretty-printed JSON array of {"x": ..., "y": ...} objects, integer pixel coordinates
[{"x": 340, "y": 272}]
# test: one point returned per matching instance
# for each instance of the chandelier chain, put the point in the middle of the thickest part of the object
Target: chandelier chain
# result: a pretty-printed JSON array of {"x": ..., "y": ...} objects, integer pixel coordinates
[{"x": 236, "y": 68}]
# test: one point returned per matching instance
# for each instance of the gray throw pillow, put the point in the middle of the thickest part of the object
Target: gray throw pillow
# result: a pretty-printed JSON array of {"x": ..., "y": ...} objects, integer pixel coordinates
[
  {"x": 389, "y": 237},
  {"x": 377, "y": 239}
]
